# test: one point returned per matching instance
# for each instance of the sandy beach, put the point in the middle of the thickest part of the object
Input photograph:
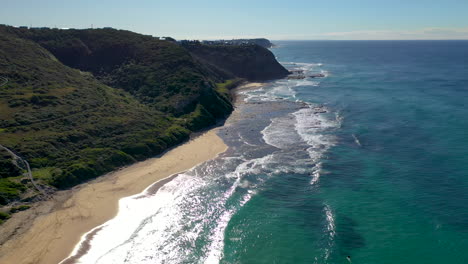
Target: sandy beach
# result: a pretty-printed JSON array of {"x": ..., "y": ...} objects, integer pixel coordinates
[{"x": 48, "y": 232}]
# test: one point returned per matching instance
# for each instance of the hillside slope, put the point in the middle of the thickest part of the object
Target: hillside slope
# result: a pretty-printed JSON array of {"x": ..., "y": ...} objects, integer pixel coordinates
[
  {"x": 80, "y": 103},
  {"x": 157, "y": 72},
  {"x": 69, "y": 124}
]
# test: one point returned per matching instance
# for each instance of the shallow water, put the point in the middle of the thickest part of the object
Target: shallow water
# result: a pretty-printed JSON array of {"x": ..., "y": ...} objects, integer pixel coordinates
[{"x": 370, "y": 161}]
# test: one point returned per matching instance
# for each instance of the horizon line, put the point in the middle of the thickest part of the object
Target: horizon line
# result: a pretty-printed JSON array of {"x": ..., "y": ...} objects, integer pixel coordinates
[{"x": 237, "y": 37}]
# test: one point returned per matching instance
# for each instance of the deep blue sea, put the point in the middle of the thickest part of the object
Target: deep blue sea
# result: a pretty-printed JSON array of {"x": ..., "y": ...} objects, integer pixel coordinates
[{"x": 370, "y": 161}]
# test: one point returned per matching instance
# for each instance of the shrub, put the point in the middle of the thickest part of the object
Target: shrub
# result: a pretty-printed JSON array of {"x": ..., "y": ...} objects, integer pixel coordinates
[
  {"x": 39, "y": 162},
  {"x": 19, "y": 208},
  {"x": 4, "y": 216},
  {"x": 9, "y": 190},
  {"x": 138, "y": 150},
  {"x": 7, "y": 168}
]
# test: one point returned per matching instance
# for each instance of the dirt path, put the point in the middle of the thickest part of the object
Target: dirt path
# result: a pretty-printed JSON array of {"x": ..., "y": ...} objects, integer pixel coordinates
[
  {"x": 27, "y": 167},
  {"x": 3, "y": 81}
]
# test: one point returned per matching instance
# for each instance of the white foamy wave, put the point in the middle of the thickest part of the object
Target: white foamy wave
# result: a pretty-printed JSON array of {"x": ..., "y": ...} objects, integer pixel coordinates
[
  {"x": 356, "y": 140},
  {"x": 159, "y": 228},
  {"x": 279, "y": 133},
  {"x": 215, "y": 253},
  {"x": 331, "y": 228},
  {"x": 330, "y": 221},
  {"x": 301, "y": 65},
  {"x": 215, "y": 250},
  {"x": 253, "y": 94},
  {"x": 306, "y": 82},
  {"x": 118, "y": 240},
  {"x": 280, "y": 90},
  {"x": 314, "y": 126},
  {"x": 285, "y": 89},
  {"x": 250, "y": 167},
  {"x": 325, "y": 73},
  {"x": 310, "y": 125},
  {"x": 316, "y": 172},
  {"x": 306, "y": 67}
]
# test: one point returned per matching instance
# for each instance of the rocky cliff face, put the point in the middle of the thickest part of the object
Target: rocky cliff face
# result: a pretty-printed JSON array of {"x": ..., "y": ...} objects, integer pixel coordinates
[{"x": 252, "y": 62}]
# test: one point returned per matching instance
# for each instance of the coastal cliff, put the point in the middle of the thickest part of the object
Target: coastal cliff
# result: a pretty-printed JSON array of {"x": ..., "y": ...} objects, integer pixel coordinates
[
  {"x": 80, "y": 103},
  {"x": 252, "y": 62}
]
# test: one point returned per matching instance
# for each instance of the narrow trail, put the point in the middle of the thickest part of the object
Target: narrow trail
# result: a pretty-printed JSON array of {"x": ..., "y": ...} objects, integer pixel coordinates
[
  {"x": 3, "y": 81},
  {"x": 28, "y": 168}
]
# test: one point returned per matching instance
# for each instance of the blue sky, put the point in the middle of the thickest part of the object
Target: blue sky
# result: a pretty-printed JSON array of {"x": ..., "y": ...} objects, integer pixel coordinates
[{"x": 211, "y": 19}]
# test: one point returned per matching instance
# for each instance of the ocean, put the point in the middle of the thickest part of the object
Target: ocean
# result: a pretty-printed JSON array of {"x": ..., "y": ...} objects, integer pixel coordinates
[{"x": 370, "y": 161}]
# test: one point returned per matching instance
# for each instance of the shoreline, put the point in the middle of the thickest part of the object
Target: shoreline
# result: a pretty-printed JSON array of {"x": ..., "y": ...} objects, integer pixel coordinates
[{"x": 73, "y": 214}]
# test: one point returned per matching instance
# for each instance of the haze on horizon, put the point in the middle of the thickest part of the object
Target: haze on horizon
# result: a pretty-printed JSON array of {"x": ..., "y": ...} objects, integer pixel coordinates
[{"x": 273, "y": 19}]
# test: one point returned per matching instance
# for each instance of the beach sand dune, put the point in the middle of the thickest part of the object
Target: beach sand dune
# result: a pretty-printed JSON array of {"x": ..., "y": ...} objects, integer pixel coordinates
[{"x": 48, "y": 233}]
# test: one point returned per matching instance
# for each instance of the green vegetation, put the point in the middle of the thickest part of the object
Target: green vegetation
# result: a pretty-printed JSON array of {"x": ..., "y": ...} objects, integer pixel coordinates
[
  {"x": 19, "y": 208},
  {"x": 44, "y": 173},
  {"x": 3, "y": 217},
  {"x": 7, "y": 167},
  {"x": 10, "y": 190},
  {"x": 224, "y": 88},
  {"x": 80, "y": 103},
  {"x": 159, "y": 73}
]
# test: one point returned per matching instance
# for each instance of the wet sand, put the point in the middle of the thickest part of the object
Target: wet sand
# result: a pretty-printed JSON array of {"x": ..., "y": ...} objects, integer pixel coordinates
[{"x": 48, "y": 232}]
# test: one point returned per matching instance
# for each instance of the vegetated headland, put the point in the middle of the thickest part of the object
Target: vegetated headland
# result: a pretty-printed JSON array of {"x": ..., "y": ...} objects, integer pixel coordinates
[{"x": 77, "y": 104}]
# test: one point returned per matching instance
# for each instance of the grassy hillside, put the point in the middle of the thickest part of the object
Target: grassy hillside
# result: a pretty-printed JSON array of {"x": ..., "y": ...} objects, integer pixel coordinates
[
  {"x": 80, "y": 103},
  {"x": 69, "y": 124},
  {"x": 157, "y": 72}
]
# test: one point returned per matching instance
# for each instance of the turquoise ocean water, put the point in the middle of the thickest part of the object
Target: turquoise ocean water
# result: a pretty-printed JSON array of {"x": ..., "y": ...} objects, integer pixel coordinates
[{"x": 370, "y": 161}]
